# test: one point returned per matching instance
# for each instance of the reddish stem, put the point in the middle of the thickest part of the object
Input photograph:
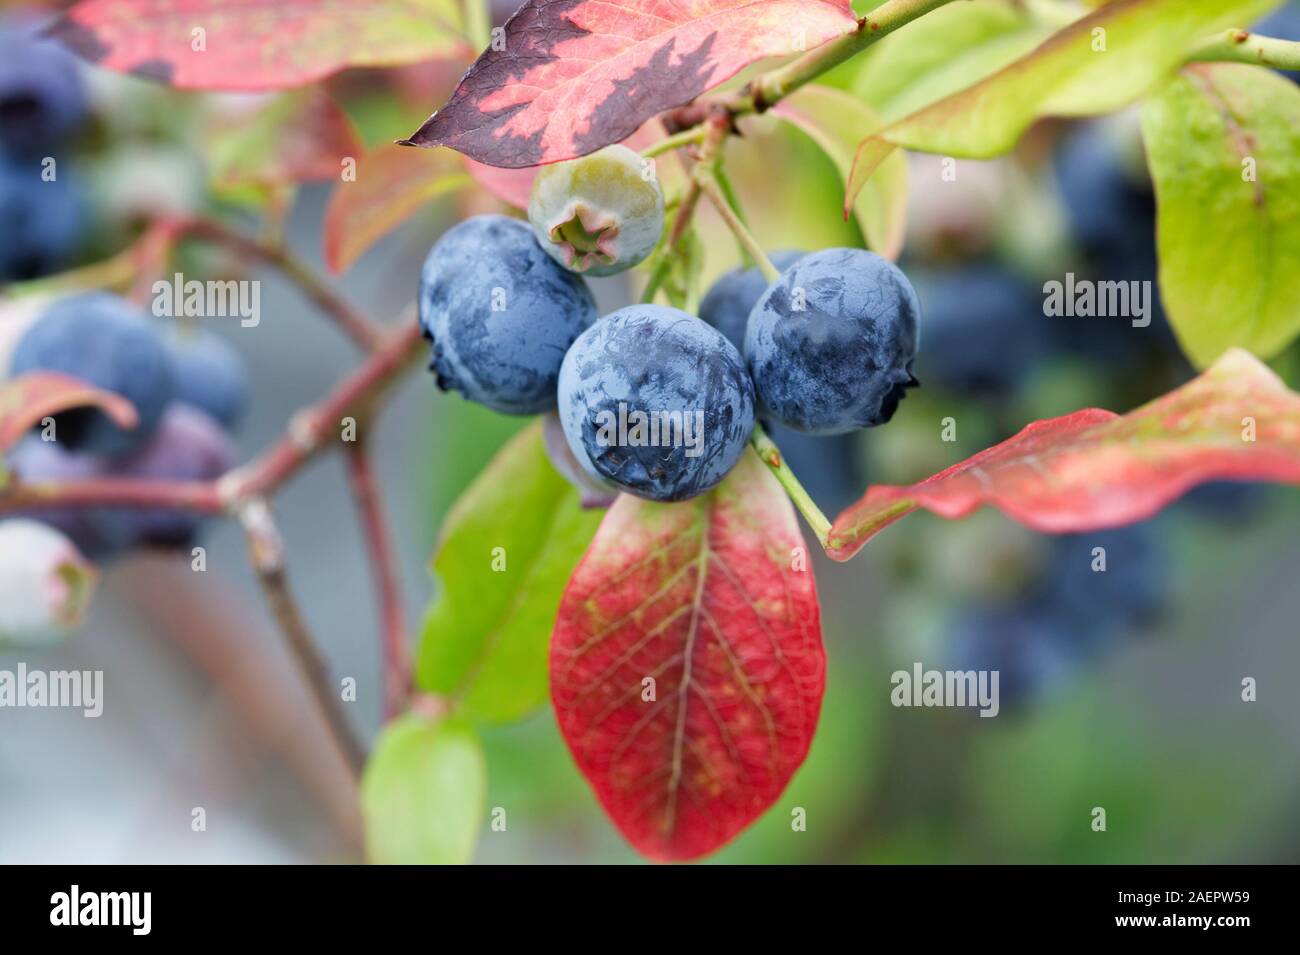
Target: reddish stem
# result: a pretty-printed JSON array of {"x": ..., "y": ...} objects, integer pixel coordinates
[
  {"x": 354, "y": 324},
  {"x": 397, "y": 667},
  {"x": 306, "y": 436}
]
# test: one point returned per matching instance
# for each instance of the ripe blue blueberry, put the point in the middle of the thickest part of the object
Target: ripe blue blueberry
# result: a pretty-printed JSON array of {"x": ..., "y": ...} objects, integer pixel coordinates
[
  {"x": 108, "y": 342},
  {"x": 500, "y": 314},
  {"x": 43, "y": 219},
  {"x": 655, "y": 402},
  {"x": 733, "y": 296},
  {"x": 830, "y": 345},
  {"x": 210, "y": 374},
  {"x": 189, "y": 445},
  {"x": 600, "y": 214},
  {"x": 41, "y": 94},
  {"x": 984, "y": 330}
]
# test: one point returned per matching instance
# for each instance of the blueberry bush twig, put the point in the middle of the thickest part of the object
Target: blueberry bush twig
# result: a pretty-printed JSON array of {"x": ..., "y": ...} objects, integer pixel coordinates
[
  {"x": 355, "y": 325},
  {"x": 1242, "y": 46},
  {"x": 687, "y": 137},
  {"x": 266, "y": 553},
  {"x": 710, "y": 186},
  {"x": 769, "y": 88},
  {"x": 397, "y": 665},
  {"x": 770, "y": 455}
]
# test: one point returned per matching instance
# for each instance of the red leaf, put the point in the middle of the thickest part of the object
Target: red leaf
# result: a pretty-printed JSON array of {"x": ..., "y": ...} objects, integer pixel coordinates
[
  {"x": 576, "y": 75},
  {"x": 28, "y": 398},
  {"x": 391, "y": 185},
  {"x": 297, "y": 137},
  {"x": 514, "y": 187},
  {"x": 1094, "y": 468},
  {"x": 257, "y": 44},
  {"x": 701, "y": 597}
]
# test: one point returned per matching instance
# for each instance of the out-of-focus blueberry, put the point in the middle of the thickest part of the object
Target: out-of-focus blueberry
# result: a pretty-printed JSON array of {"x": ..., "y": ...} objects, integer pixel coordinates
[
  {"x": 42, "y": 98},
  {"x": 43, "y": 219},
  {"x": 1105, "y": 579},
  {"x": 210, "y": 374},
  {"x": 189, "y": 445},
  {"x": 984, "y": 330},
  {"x": 1228, "y": 502},
  {"x": 1028, "y": 649},
  {"x": 35, "y": 461},
  {"x": 105, "y": 340}
]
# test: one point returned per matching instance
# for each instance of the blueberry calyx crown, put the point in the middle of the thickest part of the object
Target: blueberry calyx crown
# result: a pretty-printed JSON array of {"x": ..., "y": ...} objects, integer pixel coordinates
[{"x": 586, "y": 237}]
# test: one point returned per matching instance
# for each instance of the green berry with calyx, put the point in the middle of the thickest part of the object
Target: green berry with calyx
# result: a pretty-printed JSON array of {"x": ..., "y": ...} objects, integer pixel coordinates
[{"x": 600, "y": 214}]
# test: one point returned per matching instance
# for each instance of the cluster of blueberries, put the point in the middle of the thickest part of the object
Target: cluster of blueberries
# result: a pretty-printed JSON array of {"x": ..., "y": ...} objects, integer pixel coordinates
[
  {"x": 825, "y": 350},
  {"x": 43, "y": 104},
  {"x": 188, "y": 387}
]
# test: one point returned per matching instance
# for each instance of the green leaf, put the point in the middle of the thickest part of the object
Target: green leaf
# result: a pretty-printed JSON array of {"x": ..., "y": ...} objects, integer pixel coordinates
[
  {"x": 1223, "y": 141},
  {"x": 1096, "y": 65},
  {"x": 423, "y": 793},
  {"x": 486, "y": 634},
  {"x": 835, "y": 121},
  {"x": 941, "y": 53}
]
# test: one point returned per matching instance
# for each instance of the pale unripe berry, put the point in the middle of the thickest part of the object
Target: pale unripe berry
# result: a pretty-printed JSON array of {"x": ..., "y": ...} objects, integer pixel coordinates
[
  {"x": 45, "y": 583},
  {"x": 600, "y": 214}
]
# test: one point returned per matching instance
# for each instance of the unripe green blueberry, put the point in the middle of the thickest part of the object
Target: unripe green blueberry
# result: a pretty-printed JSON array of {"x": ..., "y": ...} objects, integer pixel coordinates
[{"x": 599, "y": 214}]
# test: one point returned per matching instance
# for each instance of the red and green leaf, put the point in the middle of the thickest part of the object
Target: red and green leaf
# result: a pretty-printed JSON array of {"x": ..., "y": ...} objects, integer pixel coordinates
[
  {"x": 514, "y": 187},
  {"x": 258, "y": 44},
  {"x": 1094, "y": 468},
  {"x": 687, "y": 666},
  {"x": 391, "y": 185},
  {"x": 28, "y": 398},
  {"x": 297, "y": 137},
  {"x": 575, "y": 75}
]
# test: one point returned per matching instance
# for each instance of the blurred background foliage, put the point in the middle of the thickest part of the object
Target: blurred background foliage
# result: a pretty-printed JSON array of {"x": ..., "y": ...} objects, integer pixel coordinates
[{"x": 1138, "y": 711}]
